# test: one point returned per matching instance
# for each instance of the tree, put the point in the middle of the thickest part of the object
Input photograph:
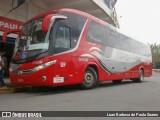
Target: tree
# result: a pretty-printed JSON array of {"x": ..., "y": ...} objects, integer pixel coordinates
[{"x": 155, "y": 49}]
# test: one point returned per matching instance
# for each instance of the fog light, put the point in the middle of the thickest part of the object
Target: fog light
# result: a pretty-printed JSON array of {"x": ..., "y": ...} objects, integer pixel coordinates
[{"x": 44, "y": 78}]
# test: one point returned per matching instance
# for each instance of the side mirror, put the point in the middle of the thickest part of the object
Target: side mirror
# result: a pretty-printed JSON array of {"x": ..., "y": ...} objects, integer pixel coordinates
[
  {"x": 4, "y": 38},
  {"x": 49, "y": 19}
]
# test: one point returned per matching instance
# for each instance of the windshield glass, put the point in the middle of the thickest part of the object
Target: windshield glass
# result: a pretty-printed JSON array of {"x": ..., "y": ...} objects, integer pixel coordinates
[{"x": 32, "y": 43}]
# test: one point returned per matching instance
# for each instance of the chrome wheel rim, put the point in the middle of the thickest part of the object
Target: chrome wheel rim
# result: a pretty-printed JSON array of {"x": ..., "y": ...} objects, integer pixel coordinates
[{"x": 88, "y": 78}]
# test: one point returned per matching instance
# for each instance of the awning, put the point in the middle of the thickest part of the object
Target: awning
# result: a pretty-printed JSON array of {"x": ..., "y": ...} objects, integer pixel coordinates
[{"x": 97, "y": 8}]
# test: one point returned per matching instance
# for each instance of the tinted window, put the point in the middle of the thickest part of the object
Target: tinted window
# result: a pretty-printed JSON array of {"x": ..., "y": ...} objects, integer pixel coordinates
[
  {"x": 120, "y": 41},
  {"x": 96, "y": 33},
  {"x": 76, "y": 23},
  {"x": 125, "y": 43},
  {"x": 62, "y": 39},
  {"x": 114, "y": 39}
]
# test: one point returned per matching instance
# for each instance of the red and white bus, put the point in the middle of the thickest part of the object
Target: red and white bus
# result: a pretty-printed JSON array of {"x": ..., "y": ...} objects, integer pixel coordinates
[{"x": 66, "y": 46}]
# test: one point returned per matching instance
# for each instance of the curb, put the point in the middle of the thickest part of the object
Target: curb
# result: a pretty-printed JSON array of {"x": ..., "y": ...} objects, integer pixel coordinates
[
  {"x": 5, "y": 89},
  {"x": 156, "y": 70}
]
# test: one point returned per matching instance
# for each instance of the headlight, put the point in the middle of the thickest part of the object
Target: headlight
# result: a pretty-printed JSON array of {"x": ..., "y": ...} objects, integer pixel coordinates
[
  {"x": 43, "y": 65},
  {"x": 35, "y": 69}
]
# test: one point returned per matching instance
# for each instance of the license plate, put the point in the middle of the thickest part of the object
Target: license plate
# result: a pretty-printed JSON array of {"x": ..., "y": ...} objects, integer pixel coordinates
[{"x": 58, "y": 79}]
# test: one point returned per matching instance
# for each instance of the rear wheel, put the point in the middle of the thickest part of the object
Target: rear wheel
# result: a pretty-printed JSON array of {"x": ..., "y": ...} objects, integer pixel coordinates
[
  {"x": 90, "y": 79},
  {"x": 141, "y": 77}
]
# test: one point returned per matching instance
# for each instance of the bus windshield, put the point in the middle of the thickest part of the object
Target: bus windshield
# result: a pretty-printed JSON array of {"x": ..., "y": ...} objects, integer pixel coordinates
[{"x": 33, "y": 42}]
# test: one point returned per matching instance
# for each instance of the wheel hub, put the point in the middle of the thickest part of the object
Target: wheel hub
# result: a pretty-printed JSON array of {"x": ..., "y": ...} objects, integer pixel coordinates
[{"x": 88, "y": 78}]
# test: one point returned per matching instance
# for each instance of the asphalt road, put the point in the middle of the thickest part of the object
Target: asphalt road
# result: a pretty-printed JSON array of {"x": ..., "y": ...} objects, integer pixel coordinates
[{"x": 127, "y": 96}]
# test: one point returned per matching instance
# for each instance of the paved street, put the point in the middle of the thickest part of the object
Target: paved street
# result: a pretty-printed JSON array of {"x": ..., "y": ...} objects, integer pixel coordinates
[{"x": 127, "y": 96}]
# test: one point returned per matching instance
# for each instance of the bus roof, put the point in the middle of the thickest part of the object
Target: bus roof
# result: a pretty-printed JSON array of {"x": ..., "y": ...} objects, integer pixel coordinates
[
  {"x": 71, "y": 11},
  {"x": 84, "y": 15}
]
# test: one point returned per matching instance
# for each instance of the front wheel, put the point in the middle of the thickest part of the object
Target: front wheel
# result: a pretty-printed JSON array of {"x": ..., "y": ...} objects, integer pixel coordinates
[
  {"x": 90, "y": 79},
  {"x": 141, "y": 77}
]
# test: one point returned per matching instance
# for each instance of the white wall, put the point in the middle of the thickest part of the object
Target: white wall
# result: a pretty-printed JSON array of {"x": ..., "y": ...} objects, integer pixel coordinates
[{"x": 22, "y": 13}]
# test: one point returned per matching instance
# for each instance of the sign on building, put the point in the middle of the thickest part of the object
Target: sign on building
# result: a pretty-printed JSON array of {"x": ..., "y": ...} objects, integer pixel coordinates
[{"x": 7, "y": 24}]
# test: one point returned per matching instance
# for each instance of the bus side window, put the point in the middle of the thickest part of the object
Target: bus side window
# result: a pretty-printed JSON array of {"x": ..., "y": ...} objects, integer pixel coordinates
[
  {"x": 63, "y": 37},
  {"x": 96, "y": 33},
  {"x": 107, "y": 35},
  {"x": 74, "y": 39},
  {"x": 124, "y": 42},
  {"x": 76, "y": 27},
  {"x": 114, "y": 39}
]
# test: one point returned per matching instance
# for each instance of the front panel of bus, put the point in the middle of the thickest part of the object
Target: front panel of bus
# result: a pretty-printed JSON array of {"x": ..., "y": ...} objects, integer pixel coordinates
[{"x": 45, "y": 58}]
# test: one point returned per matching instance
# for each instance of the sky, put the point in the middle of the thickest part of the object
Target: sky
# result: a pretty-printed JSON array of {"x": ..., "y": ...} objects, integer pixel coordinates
[{"x": 140, "y": 19}]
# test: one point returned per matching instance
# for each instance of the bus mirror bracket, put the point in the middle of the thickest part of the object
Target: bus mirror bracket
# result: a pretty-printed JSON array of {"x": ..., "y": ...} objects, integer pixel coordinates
[{"x": 49, "y": 20}]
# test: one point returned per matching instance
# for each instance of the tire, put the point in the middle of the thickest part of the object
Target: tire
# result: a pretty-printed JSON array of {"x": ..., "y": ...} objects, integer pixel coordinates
[
  {"x": 117, "y": 81},
  {"x": 90, "y": 79},
  {"x": 141, "y": 77}
]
